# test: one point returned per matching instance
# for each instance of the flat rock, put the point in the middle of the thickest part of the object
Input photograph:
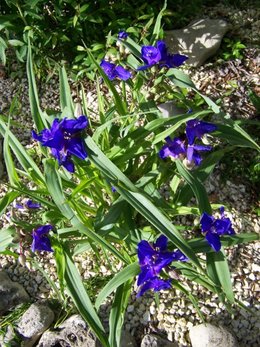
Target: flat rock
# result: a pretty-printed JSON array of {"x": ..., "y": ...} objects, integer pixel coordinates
[
  {"x": 169, "y": 109},
  {"x": 208, "y": 335},
  {"x": 152, "y": 340},
  {"x": 34, "y": 322},
  {"x": 73, "y": 332},
  {"x": 11, "y": 293},
  {"x": 199, "y": 40}
]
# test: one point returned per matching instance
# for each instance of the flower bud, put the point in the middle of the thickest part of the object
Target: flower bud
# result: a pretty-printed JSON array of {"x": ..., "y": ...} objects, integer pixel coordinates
[{"x": 22, "y": 259}]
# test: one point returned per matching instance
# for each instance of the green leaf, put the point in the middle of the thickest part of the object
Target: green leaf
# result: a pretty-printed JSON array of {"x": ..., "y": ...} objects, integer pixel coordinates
[
  {"x": 37, "y": 114},
  {"x": 117, "y": 313},
  {"x": 236, "y": 135},
  {"x": 65, "y": 94},
  {"x": 218, "y": 270},
  {"x": 3, "y": 47},
  {"x": 81, "y": 299},
  {"x": 157, "y": 27},
  {"x": 196, "y": 186},
  {"x": 6, "y": 238},
  {"x": 9, "y": 163},
  {"x": 7, "y": 200},
  {"x": 126, "y": 274}
]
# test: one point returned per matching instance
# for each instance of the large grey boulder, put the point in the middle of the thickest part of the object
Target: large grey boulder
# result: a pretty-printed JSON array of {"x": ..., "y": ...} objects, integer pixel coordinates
[
  {"x": 11, "y": 293},
  {"x": 73, "y": 332},
  {"x": 34, "y": 322},
  {"x": 152, "y": 340},
  {"x": 208, "y": 335},
  {"x": 199, "y": 40}
]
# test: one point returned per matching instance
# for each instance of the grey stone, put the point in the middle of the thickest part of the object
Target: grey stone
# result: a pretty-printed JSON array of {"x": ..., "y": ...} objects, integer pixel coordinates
[
  {"x": 34, "y": 322},
  {"x": 151, "y": 340},
  {"x": 208, "y": 335},
  {"x": 73, "y": 332},
  {"x": 199, "y": 40},
  {"x": 11, "y": 293},
  {"x": 127, "y": 339},
  {"x": 169, "y": 109}
]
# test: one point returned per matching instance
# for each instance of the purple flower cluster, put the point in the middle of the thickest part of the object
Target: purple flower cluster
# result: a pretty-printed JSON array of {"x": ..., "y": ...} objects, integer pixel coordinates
[
  {"x": 213, "y": 228},
  {"x": 64, "y": 139},
  {"x": 41, "y": 241},
  {"x": 152, "y": 259},
  {"x": 152, "y": 55},
  {"x": 115, "y": 71},
  {"x": 181, "y": 147}
]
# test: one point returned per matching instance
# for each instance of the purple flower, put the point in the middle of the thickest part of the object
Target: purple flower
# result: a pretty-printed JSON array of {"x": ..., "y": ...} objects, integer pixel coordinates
[
  {"x": 193, "y": 155},
  {"x": 213, "y": 228},
  {"x": 33, "y": 205},
  {"x": 197, "y": 128},
  {"x": 156, "y": 284},
  {"x": 18, "y": 206},
  {"x": 159, "y": 55},
  {"x": 174, "y": 148},
  {"x": 64, "y": 139},
  {"x": 122, "y": 35},
  {"x": 152, "y": 259},
  {"x": 115, "y": 71},
  {"x": 41, "y": 242}
]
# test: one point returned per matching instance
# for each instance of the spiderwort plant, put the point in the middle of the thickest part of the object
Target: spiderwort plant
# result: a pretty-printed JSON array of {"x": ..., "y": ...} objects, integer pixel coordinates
[
  {"x": 214, "y": 228},
  {"x": 65, "y": 139},
  {"x": 152, "y": 259}
]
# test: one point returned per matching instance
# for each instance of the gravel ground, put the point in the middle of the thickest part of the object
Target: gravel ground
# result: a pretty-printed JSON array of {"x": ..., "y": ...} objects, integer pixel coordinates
[{"x": 175, "y": 314}]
